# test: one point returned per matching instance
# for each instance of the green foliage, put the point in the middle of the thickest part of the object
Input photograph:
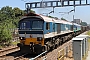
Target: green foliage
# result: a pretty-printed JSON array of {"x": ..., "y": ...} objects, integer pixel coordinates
[
  {"x": 84, "y": 24},
  {"x": 9, "y": 18},
  {"x": 88, "y": 33},
  {"x": 15, "y": 43},
  {"x": 5, "y": 33},
  {"x": 17, "y": 12},
  {"x": 7, "y": 12},
  {"x": 32, "y": 11}
]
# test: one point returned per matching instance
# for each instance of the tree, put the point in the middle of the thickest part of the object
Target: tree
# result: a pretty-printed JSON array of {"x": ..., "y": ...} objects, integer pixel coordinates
[
  {"x": 5, "y": 32},
  {"x": 17, "y": 15},
  {"x": 17, "y": 12},
  {"x": 32, "y": 11},
  {"x": 9, "y": 18},
  {"x": 84, "y": 24},
  {"x": 6, "y": 19},
  {"x": 7, "y": 12}
]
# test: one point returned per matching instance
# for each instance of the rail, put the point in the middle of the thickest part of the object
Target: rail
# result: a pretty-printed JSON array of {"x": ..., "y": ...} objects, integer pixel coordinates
[
  {"x": 38, "y": 56},
  {"x": 19, "y": 57},
  {"x": 7, "y": 51}
]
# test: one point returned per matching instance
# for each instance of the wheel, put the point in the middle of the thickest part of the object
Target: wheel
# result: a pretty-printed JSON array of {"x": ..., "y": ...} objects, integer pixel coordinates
[
  {"x": 38, "y": 49},
  {"x": 56, "y": 46},
  {"x": 44, "y": 48}
]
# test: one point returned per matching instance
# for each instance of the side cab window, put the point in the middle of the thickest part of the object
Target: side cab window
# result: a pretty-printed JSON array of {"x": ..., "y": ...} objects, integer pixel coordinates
[{"x": 47, "y": 25}]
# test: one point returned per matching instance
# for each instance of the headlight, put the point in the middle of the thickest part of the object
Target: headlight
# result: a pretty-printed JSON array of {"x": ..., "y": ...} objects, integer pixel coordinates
[
  {"x": 22, "y": 38},
  {"x": 39, "y": 38}
]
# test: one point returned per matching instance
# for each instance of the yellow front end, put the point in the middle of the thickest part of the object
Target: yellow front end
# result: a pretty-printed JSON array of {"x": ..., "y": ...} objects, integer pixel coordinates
[{"x": 27, "y": 41}]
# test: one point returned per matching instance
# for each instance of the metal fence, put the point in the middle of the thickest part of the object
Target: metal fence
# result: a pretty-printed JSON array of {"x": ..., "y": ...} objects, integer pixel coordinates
[
  {"x": 65, "y": 53},
  {"x": 61, "y": 54}
]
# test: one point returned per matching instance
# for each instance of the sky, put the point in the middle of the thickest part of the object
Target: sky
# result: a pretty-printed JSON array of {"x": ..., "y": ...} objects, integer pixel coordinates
[{"x": 81, "y": 12}]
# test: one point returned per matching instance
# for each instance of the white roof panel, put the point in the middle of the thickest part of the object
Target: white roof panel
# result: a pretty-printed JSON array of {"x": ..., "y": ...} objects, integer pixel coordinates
[
  {"x": 83, "y": 36},
  {"x": 54, "y": 20},
  {"x": 78, "y": 39},
  {"x": 76, "y": 24}
]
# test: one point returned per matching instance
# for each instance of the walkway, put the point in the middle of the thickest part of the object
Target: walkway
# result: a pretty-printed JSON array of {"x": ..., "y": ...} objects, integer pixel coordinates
[{"x": 88, "y": 57}]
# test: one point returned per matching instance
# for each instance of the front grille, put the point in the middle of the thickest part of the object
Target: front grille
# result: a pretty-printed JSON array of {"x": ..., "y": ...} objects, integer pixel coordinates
[{"x": 30, "y": 32}]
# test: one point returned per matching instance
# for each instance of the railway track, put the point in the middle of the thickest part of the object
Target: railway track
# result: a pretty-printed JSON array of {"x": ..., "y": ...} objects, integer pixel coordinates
[
  {"x": 20, "y": 57},
  {"x": 41, "y": 56},
  {"x": 7, "y": 51},
  {"x": 48, "y": 55},
  {"x": 52, "y": 55}
]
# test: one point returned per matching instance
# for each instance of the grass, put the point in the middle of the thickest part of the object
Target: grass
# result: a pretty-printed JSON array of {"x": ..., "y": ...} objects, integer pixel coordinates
[
  {"x": 0, "y": 46},
  {"x": 12, "y": 43},
  {"x": 15, "y": 43},
  {"x": 88, "y": 33}
]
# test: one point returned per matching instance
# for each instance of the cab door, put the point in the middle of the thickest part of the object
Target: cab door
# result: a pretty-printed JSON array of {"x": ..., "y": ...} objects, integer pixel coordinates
[
  {"x": 53, "y": 27},
  {"x": 58, "y": 28}
]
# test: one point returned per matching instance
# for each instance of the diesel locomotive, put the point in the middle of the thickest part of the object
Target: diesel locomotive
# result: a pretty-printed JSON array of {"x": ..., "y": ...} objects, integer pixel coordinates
[{"x": 38, "y": 33}]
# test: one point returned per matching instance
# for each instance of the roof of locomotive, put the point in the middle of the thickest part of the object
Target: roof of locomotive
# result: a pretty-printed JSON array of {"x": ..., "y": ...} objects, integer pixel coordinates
[
  {"x": 76, "y": 24},
  {"x": 47, "y": 19}
]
